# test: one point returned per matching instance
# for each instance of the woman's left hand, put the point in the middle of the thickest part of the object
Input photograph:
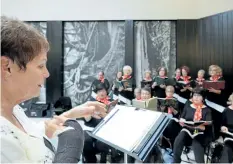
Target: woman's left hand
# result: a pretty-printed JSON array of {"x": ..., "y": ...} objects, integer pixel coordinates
[
  {"x": 90, "y": 108},
  {"x": 214, "y": 91},
  {"x": 162, "y": 86},
  {"x": 190, "y": 89},
  {"x": 202, "y": 127}
]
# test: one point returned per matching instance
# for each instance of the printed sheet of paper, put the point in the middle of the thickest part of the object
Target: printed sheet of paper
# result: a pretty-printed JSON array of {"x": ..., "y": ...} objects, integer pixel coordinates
[{"x": 128, "y": 126}]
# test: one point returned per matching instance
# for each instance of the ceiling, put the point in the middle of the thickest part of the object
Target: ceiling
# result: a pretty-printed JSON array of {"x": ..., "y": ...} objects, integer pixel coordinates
[{"x": 45, "y": 10}]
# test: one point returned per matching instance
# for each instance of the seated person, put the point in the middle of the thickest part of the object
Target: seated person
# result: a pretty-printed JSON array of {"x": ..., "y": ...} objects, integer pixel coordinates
[
  {"x": 137, "y": 93},
  {"x": 117, "y": 83},
  {"x": 173, "y": 127},
  {"x": 163, "y": 102},
  {"x": 127, "y": 82},
  {"x": 147, "y": 81},
  {"x": 200, "y": 78},
  {"x": 99, "y": 80},
  {"x": 145, "y": 93},
  {"x": 227, "y": 126},
  {"x": 159, "y": 82},
  {"x": 196, "y": 111},
  {"x": 91, "y": 145}
]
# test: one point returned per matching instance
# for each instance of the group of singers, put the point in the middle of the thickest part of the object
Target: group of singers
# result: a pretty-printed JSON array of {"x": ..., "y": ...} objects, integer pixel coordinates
[{"x": 176, "y": 136}]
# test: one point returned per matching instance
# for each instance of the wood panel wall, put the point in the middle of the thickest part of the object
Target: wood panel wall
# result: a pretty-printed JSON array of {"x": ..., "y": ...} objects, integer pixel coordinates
[{"x": 207, "y": 41}]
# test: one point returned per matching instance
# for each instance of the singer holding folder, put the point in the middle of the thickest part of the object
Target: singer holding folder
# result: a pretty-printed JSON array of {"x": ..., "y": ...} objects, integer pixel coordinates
[
  {"x": 227, "y": 126},
  {"x": 91, "y": 145},
  {"x": 173, "y": 128},
  {"x": 196, "y": 111},
  {"x": 216, "y": 96}
]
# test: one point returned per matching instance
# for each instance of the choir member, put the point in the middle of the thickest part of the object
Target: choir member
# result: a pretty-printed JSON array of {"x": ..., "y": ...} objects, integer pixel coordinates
[
  {"x": 147, "y": 81},
  {"x": 177, "y": 78},
  {"x": 137, "y": 93},
  {"x": 185, "y": 83},
  {"x": 117, "y": 83},
  {"x": 101, "y": 79},
  {"x": 227, "y": 126},
  {"x": 159, "y": 83},
  {"x": 127, "y": 83},
  {"x": 196, "y": 111},
  {"x": 145, "y": 93},
  {"x": 91, "y": 145},
  {"x": 173, "y": 128},
  {"x": 177, "y": 74},
  {"x": 216, "y": 96},
  {"x": 200, "y": 78}
]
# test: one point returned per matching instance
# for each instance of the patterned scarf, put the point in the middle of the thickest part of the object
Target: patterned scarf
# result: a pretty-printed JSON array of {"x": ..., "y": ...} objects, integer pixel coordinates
[
  {"x": 148, "y": 79},
  {"x": 126, "y": 77},
  {"x": 169, "y": 109},
  {"x": 138, "y": 98},
  {"x": 101, "y": 79},
  {"x": 163, "y": 77},
  {"x": 177, "y": 77},
  {"x": 214, "y": 78},
  {"x": 198, "y": 112},
  {"x": 185, "y": 78},
  {"x": 103, "y": 100},
  {"x": 200, "y": 79}
]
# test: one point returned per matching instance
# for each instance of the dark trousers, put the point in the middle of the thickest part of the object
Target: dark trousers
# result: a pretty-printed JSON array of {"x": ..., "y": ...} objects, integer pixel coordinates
[
  {"x": 92, "y": 147},
  {"x": 227, "y": 153},
  {"x": 170, "y": 134},
  {"x": 183, "y": 139}
]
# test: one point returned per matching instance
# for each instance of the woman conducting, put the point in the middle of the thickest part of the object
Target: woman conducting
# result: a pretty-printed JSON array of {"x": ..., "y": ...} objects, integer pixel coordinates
[{"x": 23, "y": 72}]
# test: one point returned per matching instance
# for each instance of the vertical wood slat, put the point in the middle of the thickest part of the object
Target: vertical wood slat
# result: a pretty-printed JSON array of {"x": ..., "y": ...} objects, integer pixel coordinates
[{"x": 207, "y": 41}]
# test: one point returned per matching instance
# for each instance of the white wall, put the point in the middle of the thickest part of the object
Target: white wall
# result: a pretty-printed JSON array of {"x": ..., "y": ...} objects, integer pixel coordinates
[{"x": 39, "y": 10}]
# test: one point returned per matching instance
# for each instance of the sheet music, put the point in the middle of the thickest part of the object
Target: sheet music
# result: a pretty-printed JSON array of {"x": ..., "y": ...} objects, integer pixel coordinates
[
  {"x": 215, "y": 106},
  {"x": 176, "y": 95},
  {"x": 125, "y": 100},
  {"x": 128, "y": 126},
  {"x": 93, "y": 94},
  {"x": 229, "y": 133},
  {"x": 84, "y": 127},
  {"x": 115, "y": 97}
]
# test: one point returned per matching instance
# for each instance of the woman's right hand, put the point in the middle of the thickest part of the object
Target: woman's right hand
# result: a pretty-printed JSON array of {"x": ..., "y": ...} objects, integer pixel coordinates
[
  {"x": 224, "y": 129},
  {"x": 181, "y": 122},
  {"x": 162, "y": 108},
  {"x": 154, "y": 85},
  {"x": 121, "y": 89},
  {"x": 113, "y": 87},
  {"x": 51, "y": 126},
  {"x": 90, "y": 108},
  {"x": 183, "y": 90}
]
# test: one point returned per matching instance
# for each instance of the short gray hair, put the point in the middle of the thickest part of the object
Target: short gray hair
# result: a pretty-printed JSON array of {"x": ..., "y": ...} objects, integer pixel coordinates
[
  {"x": 21, "y": 42},
  {"x": 127, "y": 67}
]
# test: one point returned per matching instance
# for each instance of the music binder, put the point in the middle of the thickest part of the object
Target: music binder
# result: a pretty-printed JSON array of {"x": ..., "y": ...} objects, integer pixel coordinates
[
  {"x": 150, "y": 104},
  {"x": 123, "y": 130},
  {"x": 146, "y": 83},
  {"x": 214, "y": 84}
]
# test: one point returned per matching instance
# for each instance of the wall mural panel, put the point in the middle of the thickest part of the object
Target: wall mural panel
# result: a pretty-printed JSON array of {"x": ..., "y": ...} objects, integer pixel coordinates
[
  {"x": 90, "y": 47},
  {"x": 154, "y": 46}
]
